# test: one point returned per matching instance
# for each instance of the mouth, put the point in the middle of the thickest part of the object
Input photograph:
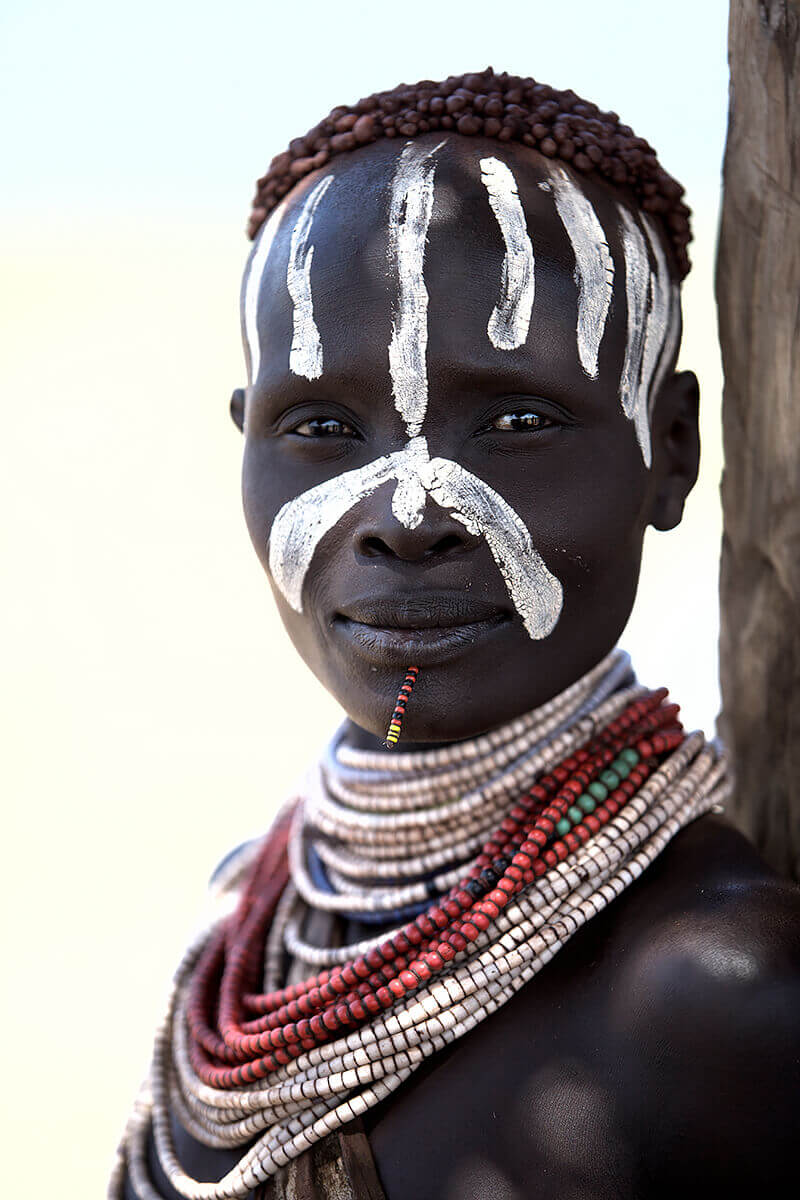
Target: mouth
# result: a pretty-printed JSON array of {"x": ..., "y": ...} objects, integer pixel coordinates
[{"x": 420, "y": 627}]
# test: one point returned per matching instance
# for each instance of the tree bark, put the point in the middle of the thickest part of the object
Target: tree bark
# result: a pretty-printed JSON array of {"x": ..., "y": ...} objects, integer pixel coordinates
[{"x": 758, "y": 298}]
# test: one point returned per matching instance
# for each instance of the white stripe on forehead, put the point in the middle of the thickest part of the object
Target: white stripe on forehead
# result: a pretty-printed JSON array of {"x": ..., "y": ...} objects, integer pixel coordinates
[
  {"x": 653, "y": 324},
  {"x": 511, "y": 317},
  {"x": 302, "y": 523},
  {"x": 252, "y": 289},
  {"x": 669, "y": 347},
  {"x": 658, "y": 317},
  {"x": 594, "y": 267},
  {"x": 409, "y": 217},
  {"x": 305, "y": 356},
  {"x": 637, "y": 292}
]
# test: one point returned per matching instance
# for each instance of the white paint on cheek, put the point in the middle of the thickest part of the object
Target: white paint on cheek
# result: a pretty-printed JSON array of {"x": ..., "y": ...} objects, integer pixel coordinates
[
  {"x": 535, "y": 592},
  {"x": 511, "y": 317},
  {"x": 305, "y": 356},
  {"x": 303, "y": 522},
  {"x": 409, "y": 217},
  {"x": 637, "y": 291},
  {"x": 594, "y": 267},
  {"x": 252, "y": 288},
  {"x": 660, "y": 318}
]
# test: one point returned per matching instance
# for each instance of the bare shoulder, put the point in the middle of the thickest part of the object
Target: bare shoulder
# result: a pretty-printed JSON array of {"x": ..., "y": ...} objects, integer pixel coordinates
[
  {"x": 709, "y": 992},
  {"x": 711, "y": 918}
]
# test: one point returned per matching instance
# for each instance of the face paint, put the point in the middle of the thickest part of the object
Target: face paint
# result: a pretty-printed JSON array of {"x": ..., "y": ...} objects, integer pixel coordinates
[
  {"x": 594, "y": 267},
  {"x": 252, "y": 289},
  {"x": 637, "y": 290},
  {"x": 301, "y": 524},
  {"x": 653, "y": 325},
  {"x": 535, "y": 592},
  {"x": 661, "y": 295},
  {"x": 305, "y": 356},
  {"x": 670, "y": 346},
  {"x": 511, "y": 317},
  {"x": 409, "y": 218}
]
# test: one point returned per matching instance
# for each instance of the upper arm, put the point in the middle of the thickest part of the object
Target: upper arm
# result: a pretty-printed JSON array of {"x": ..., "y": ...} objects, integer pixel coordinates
[{"x": 714, "y": 1003}]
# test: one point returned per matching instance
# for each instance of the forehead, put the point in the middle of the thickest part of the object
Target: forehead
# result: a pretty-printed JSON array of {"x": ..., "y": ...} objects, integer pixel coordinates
[{"x": 355, "y": 272}]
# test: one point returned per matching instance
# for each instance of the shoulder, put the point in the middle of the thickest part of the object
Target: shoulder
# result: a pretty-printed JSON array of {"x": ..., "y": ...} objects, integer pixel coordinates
[{"x": 710, "y": 995}]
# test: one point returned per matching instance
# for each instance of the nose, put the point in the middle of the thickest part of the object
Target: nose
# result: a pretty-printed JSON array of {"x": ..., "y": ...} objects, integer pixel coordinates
[{"x": 379, "y": 534}]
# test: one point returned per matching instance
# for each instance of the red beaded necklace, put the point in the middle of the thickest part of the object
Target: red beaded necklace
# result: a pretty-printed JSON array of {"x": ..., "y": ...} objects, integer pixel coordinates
[{"x": 238, "y": 1035}]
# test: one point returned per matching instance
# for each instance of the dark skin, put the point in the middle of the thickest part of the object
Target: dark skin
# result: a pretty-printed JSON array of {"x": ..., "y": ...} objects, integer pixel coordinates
[{"x": 659, "y": 1051}]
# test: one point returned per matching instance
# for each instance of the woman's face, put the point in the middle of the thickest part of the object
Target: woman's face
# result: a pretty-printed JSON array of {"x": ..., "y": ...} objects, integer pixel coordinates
[{"x": 449, "y": 459}]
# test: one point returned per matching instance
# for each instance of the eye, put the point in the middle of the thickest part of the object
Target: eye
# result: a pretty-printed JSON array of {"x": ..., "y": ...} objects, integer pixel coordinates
[
  {"x": 522, "y": 421},
  {"x": 323, "y": 427}
]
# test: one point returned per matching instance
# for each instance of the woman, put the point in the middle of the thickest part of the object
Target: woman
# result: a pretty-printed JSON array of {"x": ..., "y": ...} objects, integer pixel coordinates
[{"x": 521, "y": 954}]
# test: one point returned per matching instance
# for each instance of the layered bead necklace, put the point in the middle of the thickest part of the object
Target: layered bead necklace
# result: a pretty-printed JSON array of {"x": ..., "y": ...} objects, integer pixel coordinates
[{"x": 485, "y": 857}]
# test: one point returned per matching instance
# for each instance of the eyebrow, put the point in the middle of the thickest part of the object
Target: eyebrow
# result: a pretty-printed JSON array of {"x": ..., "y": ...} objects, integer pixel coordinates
[
  {"x": 511, "y": 316},
  {"x": 305, "y": 355}
]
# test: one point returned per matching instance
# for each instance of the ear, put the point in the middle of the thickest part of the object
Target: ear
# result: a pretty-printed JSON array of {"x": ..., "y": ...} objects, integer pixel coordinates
[
  {"x": 237, "y": 408},
  {"x": 676, "y": 447}
]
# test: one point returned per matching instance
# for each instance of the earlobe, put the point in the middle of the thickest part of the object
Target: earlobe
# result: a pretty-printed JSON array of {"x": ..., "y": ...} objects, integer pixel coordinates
[
  {"x": 676, "y": 447},
  {"x": 237, "y": 408}
]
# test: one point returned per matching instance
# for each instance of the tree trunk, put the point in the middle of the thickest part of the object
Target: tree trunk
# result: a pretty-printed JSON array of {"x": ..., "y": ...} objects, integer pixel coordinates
[{"x": 758, "y": 297}]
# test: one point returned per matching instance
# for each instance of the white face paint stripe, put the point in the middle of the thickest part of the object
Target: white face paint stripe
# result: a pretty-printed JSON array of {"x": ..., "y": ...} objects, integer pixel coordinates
[
  {"x": 594, "y": 266},
  {"x": 302, "y": 523},
  {"x": 511, "y": 317},
  {"x": 252, "y": 289},
  {"x": 657, "y": 318},
  {"x": 535, "y": 592},
  {"x": 669, "y": 347},
  {"x": 637, "y": 291},
  {"x": 409, "y": 217},
  {"x": 305, "y": 356}
]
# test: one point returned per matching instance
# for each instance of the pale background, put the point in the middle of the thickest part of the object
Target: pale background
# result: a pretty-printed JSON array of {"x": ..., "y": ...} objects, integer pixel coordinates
[{"x": 153, "y": 712}]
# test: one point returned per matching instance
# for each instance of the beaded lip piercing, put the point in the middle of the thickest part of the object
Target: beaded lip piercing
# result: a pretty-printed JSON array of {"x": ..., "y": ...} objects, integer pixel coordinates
[{"x": 396, "y": 723}]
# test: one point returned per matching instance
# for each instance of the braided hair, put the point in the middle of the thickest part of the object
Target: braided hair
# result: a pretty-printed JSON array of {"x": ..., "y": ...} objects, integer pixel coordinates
[{"x": 507, "y": 108}]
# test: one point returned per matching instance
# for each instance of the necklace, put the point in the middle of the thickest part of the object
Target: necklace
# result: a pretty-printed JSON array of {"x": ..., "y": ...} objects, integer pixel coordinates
[{"x": 566, "y": 807}]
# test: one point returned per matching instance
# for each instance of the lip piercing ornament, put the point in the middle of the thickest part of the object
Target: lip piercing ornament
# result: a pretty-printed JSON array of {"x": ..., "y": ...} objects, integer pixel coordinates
[{"x": 395, "y": 725}]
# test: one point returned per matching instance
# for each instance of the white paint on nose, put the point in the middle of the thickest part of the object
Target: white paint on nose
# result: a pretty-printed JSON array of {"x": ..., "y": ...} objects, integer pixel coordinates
[
  {"x": 305, "y": 355},
  {"x": 511, "y": 316},
  {"x": 302, "y": 523},
  {"x": 410, "y": 212},
  {"x": 594, "y": 266}
]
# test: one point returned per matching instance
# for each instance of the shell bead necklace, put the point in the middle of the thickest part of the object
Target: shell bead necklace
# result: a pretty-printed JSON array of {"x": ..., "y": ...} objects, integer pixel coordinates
[{"x": 272, "y": 1070}]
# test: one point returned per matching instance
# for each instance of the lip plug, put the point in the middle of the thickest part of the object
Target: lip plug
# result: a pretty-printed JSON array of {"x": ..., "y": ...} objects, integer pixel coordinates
[{"x": 396, "y": 723}]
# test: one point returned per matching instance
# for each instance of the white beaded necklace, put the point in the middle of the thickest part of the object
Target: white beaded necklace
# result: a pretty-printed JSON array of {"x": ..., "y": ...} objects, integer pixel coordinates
[{"x": 375, "y": 856}]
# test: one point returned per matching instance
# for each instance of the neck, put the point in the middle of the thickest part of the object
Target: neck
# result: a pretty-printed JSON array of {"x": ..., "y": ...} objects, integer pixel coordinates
[{"x": 357, "y": 738}]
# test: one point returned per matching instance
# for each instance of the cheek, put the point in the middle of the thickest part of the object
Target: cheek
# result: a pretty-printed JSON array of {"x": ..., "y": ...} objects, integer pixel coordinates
[
  {"x": 264, "y": 491},
  {"x": 587, "y": 521}
]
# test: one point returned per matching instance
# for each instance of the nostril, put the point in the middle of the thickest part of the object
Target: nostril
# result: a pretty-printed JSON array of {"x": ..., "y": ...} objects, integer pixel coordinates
[
  {"x": 451, "y": 542},
  {"x": 374, "y": 546}
]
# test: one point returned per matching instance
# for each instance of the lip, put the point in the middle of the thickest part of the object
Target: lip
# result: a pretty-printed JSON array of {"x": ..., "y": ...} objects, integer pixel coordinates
[{"x": 421, "y": 627}]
